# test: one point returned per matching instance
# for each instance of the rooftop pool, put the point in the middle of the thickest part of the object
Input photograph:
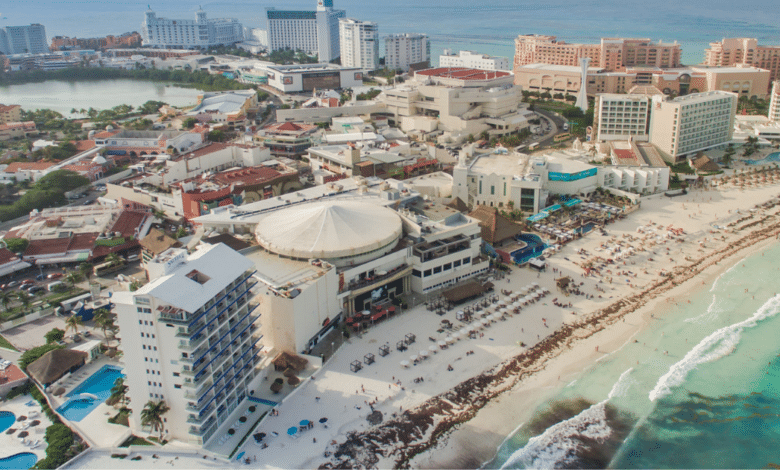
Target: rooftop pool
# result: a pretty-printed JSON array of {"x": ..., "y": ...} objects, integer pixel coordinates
[
  {"x": 23, "y": 461},
  {"x": 771, "y": 158},
  {"x": 90, "y": 393},
  {"x": 6, "y": 420}
]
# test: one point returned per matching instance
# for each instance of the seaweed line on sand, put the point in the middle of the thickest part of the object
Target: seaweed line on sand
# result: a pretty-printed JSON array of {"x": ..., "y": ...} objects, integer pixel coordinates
[{"x": 420, "y": 428}]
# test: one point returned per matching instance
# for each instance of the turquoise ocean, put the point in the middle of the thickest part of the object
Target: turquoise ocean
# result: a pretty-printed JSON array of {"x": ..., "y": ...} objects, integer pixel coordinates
[
  {"x": 700, "y": 388},
  {"x": 488, "y": 26}
]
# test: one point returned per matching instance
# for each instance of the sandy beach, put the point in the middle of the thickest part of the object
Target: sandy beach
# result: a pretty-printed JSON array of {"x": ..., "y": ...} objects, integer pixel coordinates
[{"x": 453, "y": 408}]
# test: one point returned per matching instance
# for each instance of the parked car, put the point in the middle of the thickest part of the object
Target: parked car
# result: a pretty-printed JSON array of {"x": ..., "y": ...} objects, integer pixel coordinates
[
  {"x": 12, "y": 284},
  {"x": 27, "y": 282},
  {"x": 40, "y": 277},
  {"x": 88, "y": 202},
  {"x": 54, "y": 276},
  {"x": 35, "y": 289}
]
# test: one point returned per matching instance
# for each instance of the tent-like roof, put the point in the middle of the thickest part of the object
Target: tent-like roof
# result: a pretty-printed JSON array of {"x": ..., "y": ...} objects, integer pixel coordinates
[
  {"x": 495, "y": 227},
  {"x": 329, "y": 230},
  {"x": 286, "y": 360},
  {"x": 466, "y": 291},
  {"x": 54, "y": 364},
  {"x": 157, "y": 241}
]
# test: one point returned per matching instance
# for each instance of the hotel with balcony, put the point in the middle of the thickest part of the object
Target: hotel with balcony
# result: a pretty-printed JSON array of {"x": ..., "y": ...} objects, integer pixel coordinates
[{"x": 192, "y": 337}]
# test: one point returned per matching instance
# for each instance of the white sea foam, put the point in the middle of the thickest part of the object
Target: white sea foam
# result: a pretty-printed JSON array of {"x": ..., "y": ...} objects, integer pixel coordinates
[
  {"x": 713, "y": 347},
  {"x": 712, "y": 310},
  {"x": 557, "y": 445}
]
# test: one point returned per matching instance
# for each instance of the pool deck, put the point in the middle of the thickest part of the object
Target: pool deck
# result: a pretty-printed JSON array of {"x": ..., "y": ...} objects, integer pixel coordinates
[
  {"x": 94, "y": 428},
  {"x": 11, "y": 445}
]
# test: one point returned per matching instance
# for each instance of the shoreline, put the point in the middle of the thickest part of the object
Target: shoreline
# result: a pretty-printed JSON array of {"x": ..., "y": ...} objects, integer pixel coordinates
[{"x": 426, "y": 434}]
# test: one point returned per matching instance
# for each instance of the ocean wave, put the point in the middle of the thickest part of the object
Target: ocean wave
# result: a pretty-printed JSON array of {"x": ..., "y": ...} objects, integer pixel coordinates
[
  {"x": 719, "y": 344},
  {"x": 559, "y": 443}
]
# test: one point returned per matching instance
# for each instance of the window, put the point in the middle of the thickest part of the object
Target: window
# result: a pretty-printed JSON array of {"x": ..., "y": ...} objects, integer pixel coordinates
[
  {"x": 415, "y": 273},
  {"x": 448, "y": 266},
  {"x": 176, "y": 374},
  {"x": 427, "y": 273},
  {"x": 467, "y": 260},
  {"x": 176, "y": 386},
  {"x": 456, "y": 263},
  {"x": 437, "y": 270}
]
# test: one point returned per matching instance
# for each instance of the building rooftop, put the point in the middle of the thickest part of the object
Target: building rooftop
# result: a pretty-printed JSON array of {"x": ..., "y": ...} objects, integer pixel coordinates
[
  {"x": 463, "y": 73},
  {"x": 277, "y": 272},
  {"x": 218, "y": 265},
  {"x": 561, "y": 68}
]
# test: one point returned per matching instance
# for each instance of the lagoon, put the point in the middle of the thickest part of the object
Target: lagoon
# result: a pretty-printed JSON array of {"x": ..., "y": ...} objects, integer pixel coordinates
[{"x": 62, "y": 96}]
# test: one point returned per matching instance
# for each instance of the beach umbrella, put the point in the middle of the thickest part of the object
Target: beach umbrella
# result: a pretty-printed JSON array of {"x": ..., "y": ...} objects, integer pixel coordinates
[
  {"x": 413, "y": 358},
  {"x": 291, "y": 431},
  {"x": 432, "y": 349},
  {"x": 304, "y": 422},
  {"x": 323, "y": 420},
  {"x": 442, "y": 344},
  {"x": 423, "y": 353},
  {"x": 449, "y": 339},
  {"x": 404, "y": 363},
  {"x": 485, "y": 322}
]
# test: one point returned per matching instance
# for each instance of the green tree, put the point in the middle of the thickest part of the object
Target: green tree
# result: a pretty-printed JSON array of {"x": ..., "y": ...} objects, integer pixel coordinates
[
  {"x": 73, "y": 323},
  {"x": 189, "y": 123},
  {"x": 32, "y": 355},
  {"x": 6, "y": 297},
  {"x": 54, "y": 335},
  {"x": 73, "y": 277},
  {"x": 119, "y": 392},
  {"x": 24, "y": 298},
  {"x": 152, "y": 414},
  {"x": 61, "y": 181},
  {"x": 86, "y": 270},
  {"x": 104, "y": 321},
  {"x": 217, "y": 135},
  {"x": 181, "y": 232},
  {"x": 114, "y": 259}
]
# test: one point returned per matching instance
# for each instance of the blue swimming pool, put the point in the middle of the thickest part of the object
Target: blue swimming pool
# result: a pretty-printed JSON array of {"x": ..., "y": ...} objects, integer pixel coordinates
[
  {"x": 24, "y": 461},
  {"x": 771, "y": 158},
  {"x": 6, "y": 420},
  {"x": 535, "y": 247},
  {"x": 90, "y": 393}
]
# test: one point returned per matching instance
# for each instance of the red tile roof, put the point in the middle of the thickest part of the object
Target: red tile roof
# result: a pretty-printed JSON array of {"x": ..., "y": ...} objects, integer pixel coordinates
[
  {"x": 84, "y": 145},
  {"x": 27, "y": 125},
  {"x": 128, "y": 221},
  {"x": 8, "y": 107},
  {"x": 47, "y": 247},
  {"x": 82, "y": 241},
  {"x": 11, "y": 374},
  {"x": 6, "y": 256},
  {"x": 28, "y": 166},
  {"x": 625, "y": 154},
  {"x": 210, "y": 148},
  {"x": 105, "y": 134},
  {"x": 247, "y": 176},
  {"x": 463, "y": 73}
]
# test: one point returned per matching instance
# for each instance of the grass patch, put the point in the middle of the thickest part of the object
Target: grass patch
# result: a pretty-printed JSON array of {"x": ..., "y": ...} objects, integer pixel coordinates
[
  {"x": 118, "y": 456},
  {"x": 157, "y": 440},
  {"x": 135, "y": 441},
  {"x": 4, "y": 343},
  {"x": 247, "y": 435},
  {"x": 121, "y": 418}
]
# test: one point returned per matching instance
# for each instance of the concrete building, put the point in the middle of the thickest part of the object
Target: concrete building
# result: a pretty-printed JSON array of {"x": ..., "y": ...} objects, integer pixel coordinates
[
  {"x": 307, "y": 77},
  {"x": 330, "y": 251},
  {"x": 10, "y": 113},
  {"x": 620, "y": 117},
  {"x": 688, "y": 124},
  {"x": 473, "y": 60},
  {"x": 12, "y": 130},
  {"x": 191, "y": 335},
  {"x": 23, "y": 40},
  {"x": 225, "y": 106},
  {"x": 744, "y": 80},
  {"x": 190, "y": 34},
  {"x": 746, "y": 51},
  {"x": 403, "y": 51},
  {"x": 314, "y": 32},
  {"x": 359, "y": 42},
  {"x": 774, "y": 102},
  {"x": 611, "y": 53},
  {"x": 133, "y": 39},
  {"x": 457, "y": 101},
  {"x": 287, "y": 139}
]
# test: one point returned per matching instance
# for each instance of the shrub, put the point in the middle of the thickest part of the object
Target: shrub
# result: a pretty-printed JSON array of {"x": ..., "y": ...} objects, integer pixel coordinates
[
  {"x": 33, "y": 354},
  {"x": 54, "y": 335},
  {"x": 59, "y": 439}
]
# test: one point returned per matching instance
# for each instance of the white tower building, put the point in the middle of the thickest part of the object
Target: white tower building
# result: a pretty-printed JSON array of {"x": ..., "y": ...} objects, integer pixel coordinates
[
  {"x": 403, "y": 50},
  {"x": 359, "y": 43},
  {"x": 582, "y": 96},
  {"x": 189, "y": 338},
  {"x": 774, "y": 102}
]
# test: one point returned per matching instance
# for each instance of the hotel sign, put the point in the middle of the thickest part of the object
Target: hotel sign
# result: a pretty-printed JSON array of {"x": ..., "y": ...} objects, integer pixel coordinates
[{"x": 557, "y": 176}]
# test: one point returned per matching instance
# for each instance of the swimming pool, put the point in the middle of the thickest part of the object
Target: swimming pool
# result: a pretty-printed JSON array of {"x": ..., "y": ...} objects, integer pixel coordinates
[
  {"x": 6, "y": 420},
  {"x": 90, "y": 393},
  {"x": 535, "y": 247},
  {"x": 24, "y": 461},
  {"x": 772, "y": 157}
]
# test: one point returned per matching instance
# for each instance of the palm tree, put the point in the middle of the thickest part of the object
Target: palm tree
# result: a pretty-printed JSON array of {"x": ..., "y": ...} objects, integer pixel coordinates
[
  {"x": 114, "y": 259},
  {"x": 104, "y": 321},
  {"x": 73, "y": 323},
  {"x": 119, "y": 391},
  {"x": 151, "y": 415},
  {"x": 85, "y": 269},
  {"x": 24, "y": 298},
  {"x": 73, "y": 277},
  {"x": 6, "y": 298}
]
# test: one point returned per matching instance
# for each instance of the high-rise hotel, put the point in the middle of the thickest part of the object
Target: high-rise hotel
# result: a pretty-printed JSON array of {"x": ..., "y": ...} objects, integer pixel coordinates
[{"x": 190, "y": 337}]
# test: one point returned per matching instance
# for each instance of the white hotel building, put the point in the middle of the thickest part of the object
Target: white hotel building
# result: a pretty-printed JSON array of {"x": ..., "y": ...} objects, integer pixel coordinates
[
  {"x": 688, "y": 124},
  {"x": 620, "y": 117},
  {"x": 190, "y": 338},
  {"x": 359, "y": 42},
  {"x": 774, "y": 102},
  {"x": 473, "y": 60},
  {"x": 403, "y": 50},
  {"x": 332, "y": 250},
  {"x": 310, "y": 31},
  {"x": 190, "y": 34}
]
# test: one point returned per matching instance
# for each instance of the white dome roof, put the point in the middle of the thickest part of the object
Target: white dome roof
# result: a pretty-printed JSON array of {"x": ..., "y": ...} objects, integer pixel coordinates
[
  {"x": 99, "y": 160},
  {"x": 328, "y": 230}
]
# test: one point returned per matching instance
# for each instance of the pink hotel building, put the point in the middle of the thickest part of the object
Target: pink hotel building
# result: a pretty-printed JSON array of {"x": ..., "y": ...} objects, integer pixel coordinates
[{"x": 613, "y": 54}]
